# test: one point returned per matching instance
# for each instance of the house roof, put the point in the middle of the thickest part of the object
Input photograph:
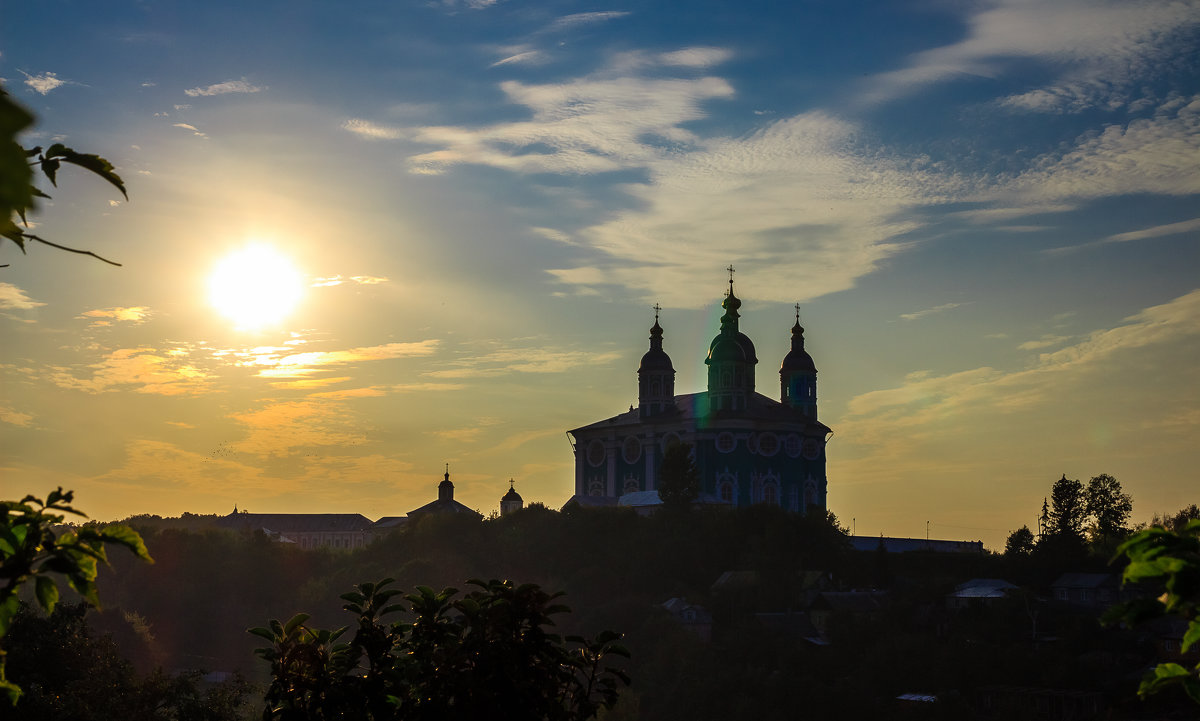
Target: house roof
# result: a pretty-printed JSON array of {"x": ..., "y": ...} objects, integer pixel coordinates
[
  {"x": 443, "y": 505},
  {"x": 590, "y": 501},
  {"x": 678, "y": 607},
  {"x": 1085, "y": 580},
  {"x": 982, "y": 588},
  {"x": 852, "y": 601},
  {"x": 297, "y": 522},
  {"x": 640, "y": 498}
]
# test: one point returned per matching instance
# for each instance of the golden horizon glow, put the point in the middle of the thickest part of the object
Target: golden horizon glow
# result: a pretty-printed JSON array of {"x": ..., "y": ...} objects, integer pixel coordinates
[{"x": 255, "y": 287}]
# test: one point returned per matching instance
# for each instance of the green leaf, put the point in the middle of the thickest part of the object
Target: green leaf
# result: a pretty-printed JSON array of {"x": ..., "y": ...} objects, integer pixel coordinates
[
  {"x": 47, "y": 593},
  {"x": 94, "y": 163},
  {"x": 1192, "y": 636},
  {"x": 10, "y": 689},
  {"x": 262, "y": 633},
  {"x": 8, "y": 609},
  {"x": 50, "y": 169},
  {"x": 127, "y": 537},
  {"x": 294, "y": 623}
]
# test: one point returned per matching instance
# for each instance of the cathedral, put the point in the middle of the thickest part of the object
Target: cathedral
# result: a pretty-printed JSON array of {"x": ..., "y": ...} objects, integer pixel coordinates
[{"x": 747, "y": 447}]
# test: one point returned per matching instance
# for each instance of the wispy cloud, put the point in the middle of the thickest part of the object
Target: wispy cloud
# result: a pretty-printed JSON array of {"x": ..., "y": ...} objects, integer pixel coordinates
[
  {"x": 926, "y": 398},
  {"x": 283, "y": 363},
  {"x": 600, "y": 123},
  {"x": 225, "y": 88},
  {"x": 1156, "y": 231},
  {"x": 521, "y": 360},
  {"x": 930, "y": 311},
  {"x": 289, "y": 427},
  {"x": 1100, "y": 50},
  {"x": 43, "y": 83},
  {"x": 15, "y": 417},
  {"x": 1045, "y": 341},
  {"x": 134, "y": 314},
  {"x": 370, "y": 130},
  {"x": 14, "y": 298},
  {"x": 141, "y": 370},
  {"x": 339, "y": 280},
  {"x": 527, "y": 57},
  {"x": 193, "y": 128},
  {"x": 568, "y": 22}
]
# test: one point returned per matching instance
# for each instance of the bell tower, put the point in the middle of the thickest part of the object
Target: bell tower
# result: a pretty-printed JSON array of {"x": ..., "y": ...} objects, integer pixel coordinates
[
  {"x": 798, "y": 375},
  {"x": 656, "y": 375}
]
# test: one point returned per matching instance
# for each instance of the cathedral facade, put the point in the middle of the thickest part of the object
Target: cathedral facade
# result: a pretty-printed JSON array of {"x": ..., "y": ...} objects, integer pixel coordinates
[{"x": 747, "y": 447}]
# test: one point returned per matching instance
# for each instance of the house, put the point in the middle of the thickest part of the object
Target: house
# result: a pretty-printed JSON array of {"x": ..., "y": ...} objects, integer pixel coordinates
[
  {"x": 906, "y": 545},
  {"x": 978, "y": 592},
  {"x": 692, "y": 617},
  {"x": 1092, "y": 590}
]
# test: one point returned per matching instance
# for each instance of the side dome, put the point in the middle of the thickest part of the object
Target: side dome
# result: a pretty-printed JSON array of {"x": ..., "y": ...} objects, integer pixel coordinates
[
  {"x": 798, "y": 359},
  {"x": 512, "y": 495},
  {"x": 656, "y": 359}
]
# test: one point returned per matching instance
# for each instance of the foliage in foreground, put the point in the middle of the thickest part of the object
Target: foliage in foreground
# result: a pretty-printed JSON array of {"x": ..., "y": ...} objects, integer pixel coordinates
[
  {"x": 1171, "y": 561},
  {"x": 18, "y": 193},
  {"x": 67, "y": 671},
  {"x": 32, "y": 550},
  {"x": 486, "y": 654}
]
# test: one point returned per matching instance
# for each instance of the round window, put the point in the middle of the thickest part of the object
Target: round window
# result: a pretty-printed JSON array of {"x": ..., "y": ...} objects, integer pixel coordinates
[
  {"x": 632, "y": 449},
  {"x": 768, "y": 444},
  {"x": 726, "y": 442},
  {"x": 791, "y": 445}
]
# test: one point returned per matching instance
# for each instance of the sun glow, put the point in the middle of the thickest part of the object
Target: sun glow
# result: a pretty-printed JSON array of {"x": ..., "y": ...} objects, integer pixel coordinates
[{"x": 255, "y": 287}]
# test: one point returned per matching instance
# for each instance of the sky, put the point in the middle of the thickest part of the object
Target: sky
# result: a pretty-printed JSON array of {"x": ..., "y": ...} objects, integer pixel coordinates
[{"x": 988, "y": 212}]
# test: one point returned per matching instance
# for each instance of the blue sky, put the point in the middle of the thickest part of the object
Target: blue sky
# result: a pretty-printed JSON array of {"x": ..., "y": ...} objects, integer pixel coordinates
[{"x": 987, "y": 210}]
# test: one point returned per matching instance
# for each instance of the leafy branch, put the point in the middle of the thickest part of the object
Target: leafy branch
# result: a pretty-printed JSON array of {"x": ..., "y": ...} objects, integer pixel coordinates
[
  {"x": 1170, "y": 561},
  {"x": 18, "y": 193},
  {"x": 34, "y": 549}
]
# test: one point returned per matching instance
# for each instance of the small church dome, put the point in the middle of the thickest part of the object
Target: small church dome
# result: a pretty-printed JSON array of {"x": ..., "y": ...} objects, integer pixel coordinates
[
  {"x": 512, "y": 495},
  {"x": 656, "y": 359},
  {"x": 798, "y": 359}
]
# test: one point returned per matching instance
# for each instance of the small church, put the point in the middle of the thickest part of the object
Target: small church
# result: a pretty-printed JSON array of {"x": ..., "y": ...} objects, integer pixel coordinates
[{"x": 747, "y": 447}]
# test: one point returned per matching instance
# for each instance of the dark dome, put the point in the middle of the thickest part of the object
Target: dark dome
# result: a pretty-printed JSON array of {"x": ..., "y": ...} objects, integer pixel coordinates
[
  {"x": 798, "y": 360},
  {"x": 512, "y": 495},
  {"x": 655, "y": 360},
  {"x": 732, "y": 348}
]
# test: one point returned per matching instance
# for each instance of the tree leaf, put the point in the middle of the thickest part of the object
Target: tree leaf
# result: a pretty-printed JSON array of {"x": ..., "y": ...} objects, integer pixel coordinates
[
  {"x": 97, "y": 165},
  {"x": 127, "y": 537},
  {"x": 1192, "y": 636},
  {"x": 47, "y": 593}
]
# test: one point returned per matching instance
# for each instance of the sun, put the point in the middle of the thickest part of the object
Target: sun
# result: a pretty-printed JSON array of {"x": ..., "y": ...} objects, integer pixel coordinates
[{"x": 255, "y": 287}]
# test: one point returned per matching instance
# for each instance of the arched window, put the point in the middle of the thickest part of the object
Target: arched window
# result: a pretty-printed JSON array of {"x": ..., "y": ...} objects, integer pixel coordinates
[
  {"x": 770, "y": 494},
  {"x": 727, "y": 492}
]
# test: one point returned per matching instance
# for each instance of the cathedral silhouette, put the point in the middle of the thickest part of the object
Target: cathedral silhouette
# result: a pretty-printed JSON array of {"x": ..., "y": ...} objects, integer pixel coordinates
[{"x": 748, "y": 448}]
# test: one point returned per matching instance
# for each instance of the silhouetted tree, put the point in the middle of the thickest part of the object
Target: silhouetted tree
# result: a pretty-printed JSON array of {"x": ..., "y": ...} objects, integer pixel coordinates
[
  {"x": 678, "y": 477},
  {"x": 1019, "y": 543},
  {"x": 1108, "y": 507},
  {"x": 1068, "y": 509},
  {"x": 1178, "y": 521},
  {"x": 485, "y": 655}
]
